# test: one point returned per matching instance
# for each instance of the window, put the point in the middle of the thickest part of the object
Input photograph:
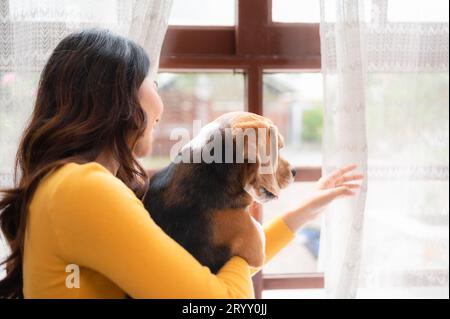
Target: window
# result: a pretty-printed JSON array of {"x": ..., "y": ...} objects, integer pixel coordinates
[
  {"x": 192, "y": 96},
  {"x": 280, "y": 79},
  {"x": 433, "y": 11},
  {"x": 308, "y": 11},
  {"x": 430, "y": 116},
  {"x": 294, "y": 101},
  {"x": 294, "y": 294},
  {"x": 420, "y": 178},
  {"x": 203, "y": 12},
  {"x": 301, "y": 255},
  {"x": 263, "y": 54},
  {"x": 305, "y": 11}
]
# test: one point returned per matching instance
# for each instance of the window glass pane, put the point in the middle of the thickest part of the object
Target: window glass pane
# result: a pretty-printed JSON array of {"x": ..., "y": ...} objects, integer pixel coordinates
[
  {"x": 307, "y": 11},
  {"x": 406, "y": 236},
  {"x": 294, "y": 294},
  {"x": 412, "y": 235},
  {"x": 301, "y": 254},
  {"x": 331, "y": 12},
  {"x": 294, "y": 102},
  {"x": 423, "y": 117},
  {"x": 188, "y": 97},
  {"x": 203, "y": 12},
  {"x": 418, "y": 11}
]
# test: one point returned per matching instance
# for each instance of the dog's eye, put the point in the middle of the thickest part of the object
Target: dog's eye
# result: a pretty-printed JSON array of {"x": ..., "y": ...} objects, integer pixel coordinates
[{"x": 267, "y": 193}]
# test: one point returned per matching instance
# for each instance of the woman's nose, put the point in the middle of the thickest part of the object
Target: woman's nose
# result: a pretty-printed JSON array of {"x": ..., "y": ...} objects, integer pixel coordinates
[{"x": 293, "y": 171}]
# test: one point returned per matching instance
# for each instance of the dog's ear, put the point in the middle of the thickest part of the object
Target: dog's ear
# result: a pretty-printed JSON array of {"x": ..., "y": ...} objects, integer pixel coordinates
[
  {"x": 268, "y": 157},
  {"x": 256, "y": 142},
  {"x": 280, "y": 141},
  {"x": 248, "y": 132}
]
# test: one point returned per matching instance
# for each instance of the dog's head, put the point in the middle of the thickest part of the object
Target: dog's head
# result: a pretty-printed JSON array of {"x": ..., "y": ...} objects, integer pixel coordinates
[
  {"x": 259, "y": 142},
  {"x": 255, "y": 143}
]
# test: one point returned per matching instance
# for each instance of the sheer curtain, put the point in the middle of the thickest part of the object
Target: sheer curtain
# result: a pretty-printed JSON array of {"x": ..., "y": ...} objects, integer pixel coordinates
[
  {"x": 385, "y": 68},
  {"x": 29, "y": 30}
]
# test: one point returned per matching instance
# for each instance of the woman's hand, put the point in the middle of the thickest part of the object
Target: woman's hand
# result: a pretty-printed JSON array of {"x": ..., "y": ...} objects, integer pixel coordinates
[{"x": 340, "y": 183}]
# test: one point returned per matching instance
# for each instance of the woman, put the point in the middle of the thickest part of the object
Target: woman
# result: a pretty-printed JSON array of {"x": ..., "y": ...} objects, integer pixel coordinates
[{"x": 74, "y": 221}]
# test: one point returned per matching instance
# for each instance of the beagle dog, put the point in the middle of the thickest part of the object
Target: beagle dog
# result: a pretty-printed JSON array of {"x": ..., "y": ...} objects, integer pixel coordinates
[{"x": 204, "y": 204}]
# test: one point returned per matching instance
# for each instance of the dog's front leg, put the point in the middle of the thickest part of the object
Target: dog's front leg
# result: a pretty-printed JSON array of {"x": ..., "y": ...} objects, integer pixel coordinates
[{"x": 239, "y": 231}]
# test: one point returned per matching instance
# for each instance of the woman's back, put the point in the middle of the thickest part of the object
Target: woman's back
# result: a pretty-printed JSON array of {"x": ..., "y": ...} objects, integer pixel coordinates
[{"x": 48, "y": 270}]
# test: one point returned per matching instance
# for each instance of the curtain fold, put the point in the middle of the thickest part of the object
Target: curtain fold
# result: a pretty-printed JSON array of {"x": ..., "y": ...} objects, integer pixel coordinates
[
  {"x": 386, "y": 109},
  {"x": 344, "y": 142}
]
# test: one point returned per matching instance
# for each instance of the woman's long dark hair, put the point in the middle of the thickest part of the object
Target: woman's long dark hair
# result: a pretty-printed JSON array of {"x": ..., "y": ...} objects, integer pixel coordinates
[{"x": 86, "y": 104}]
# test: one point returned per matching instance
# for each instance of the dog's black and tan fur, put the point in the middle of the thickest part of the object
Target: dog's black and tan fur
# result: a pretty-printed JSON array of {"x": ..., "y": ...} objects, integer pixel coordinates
[{"x": 204, "y": 207}]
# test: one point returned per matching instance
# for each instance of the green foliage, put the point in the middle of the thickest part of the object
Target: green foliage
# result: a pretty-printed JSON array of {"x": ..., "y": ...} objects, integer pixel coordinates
[{"x": 312, "y": 125}]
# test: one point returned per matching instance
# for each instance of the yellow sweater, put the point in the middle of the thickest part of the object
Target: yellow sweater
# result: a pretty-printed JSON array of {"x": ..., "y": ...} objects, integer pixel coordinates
[{"x": 84, "y": 215}]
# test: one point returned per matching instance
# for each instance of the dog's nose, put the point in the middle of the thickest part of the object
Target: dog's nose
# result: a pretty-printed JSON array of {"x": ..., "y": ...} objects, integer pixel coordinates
[{"x": 293, "y": 171}]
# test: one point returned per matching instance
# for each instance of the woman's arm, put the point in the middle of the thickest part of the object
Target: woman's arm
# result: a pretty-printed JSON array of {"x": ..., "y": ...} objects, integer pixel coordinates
[
  {"x": 281, "y": 230},
  {"x": 100, "y": 224}
]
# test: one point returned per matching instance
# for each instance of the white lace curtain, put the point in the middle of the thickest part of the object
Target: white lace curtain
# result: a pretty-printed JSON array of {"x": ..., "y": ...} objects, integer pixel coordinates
[
  {"x": 386, "y": 108},
  {"x": 29, "y": 31}
]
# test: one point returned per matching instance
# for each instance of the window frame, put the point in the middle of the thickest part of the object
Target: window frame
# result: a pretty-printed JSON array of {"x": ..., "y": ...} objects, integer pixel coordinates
[{"x": 253, "y": 45}]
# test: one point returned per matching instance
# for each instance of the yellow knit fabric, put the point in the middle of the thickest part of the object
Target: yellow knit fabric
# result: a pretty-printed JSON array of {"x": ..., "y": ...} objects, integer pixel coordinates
[{"x": 83, "y": 215}]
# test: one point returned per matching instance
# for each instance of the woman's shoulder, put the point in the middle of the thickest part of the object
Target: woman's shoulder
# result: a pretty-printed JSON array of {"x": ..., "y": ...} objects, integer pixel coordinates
[
  {"x": 83, "y": 182},
  {"x": 76, "y": 172},
  {"x": 81, "y": 170},
  {"x": 85, "y": 174},
  {"x": 79, "y": 194}
]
